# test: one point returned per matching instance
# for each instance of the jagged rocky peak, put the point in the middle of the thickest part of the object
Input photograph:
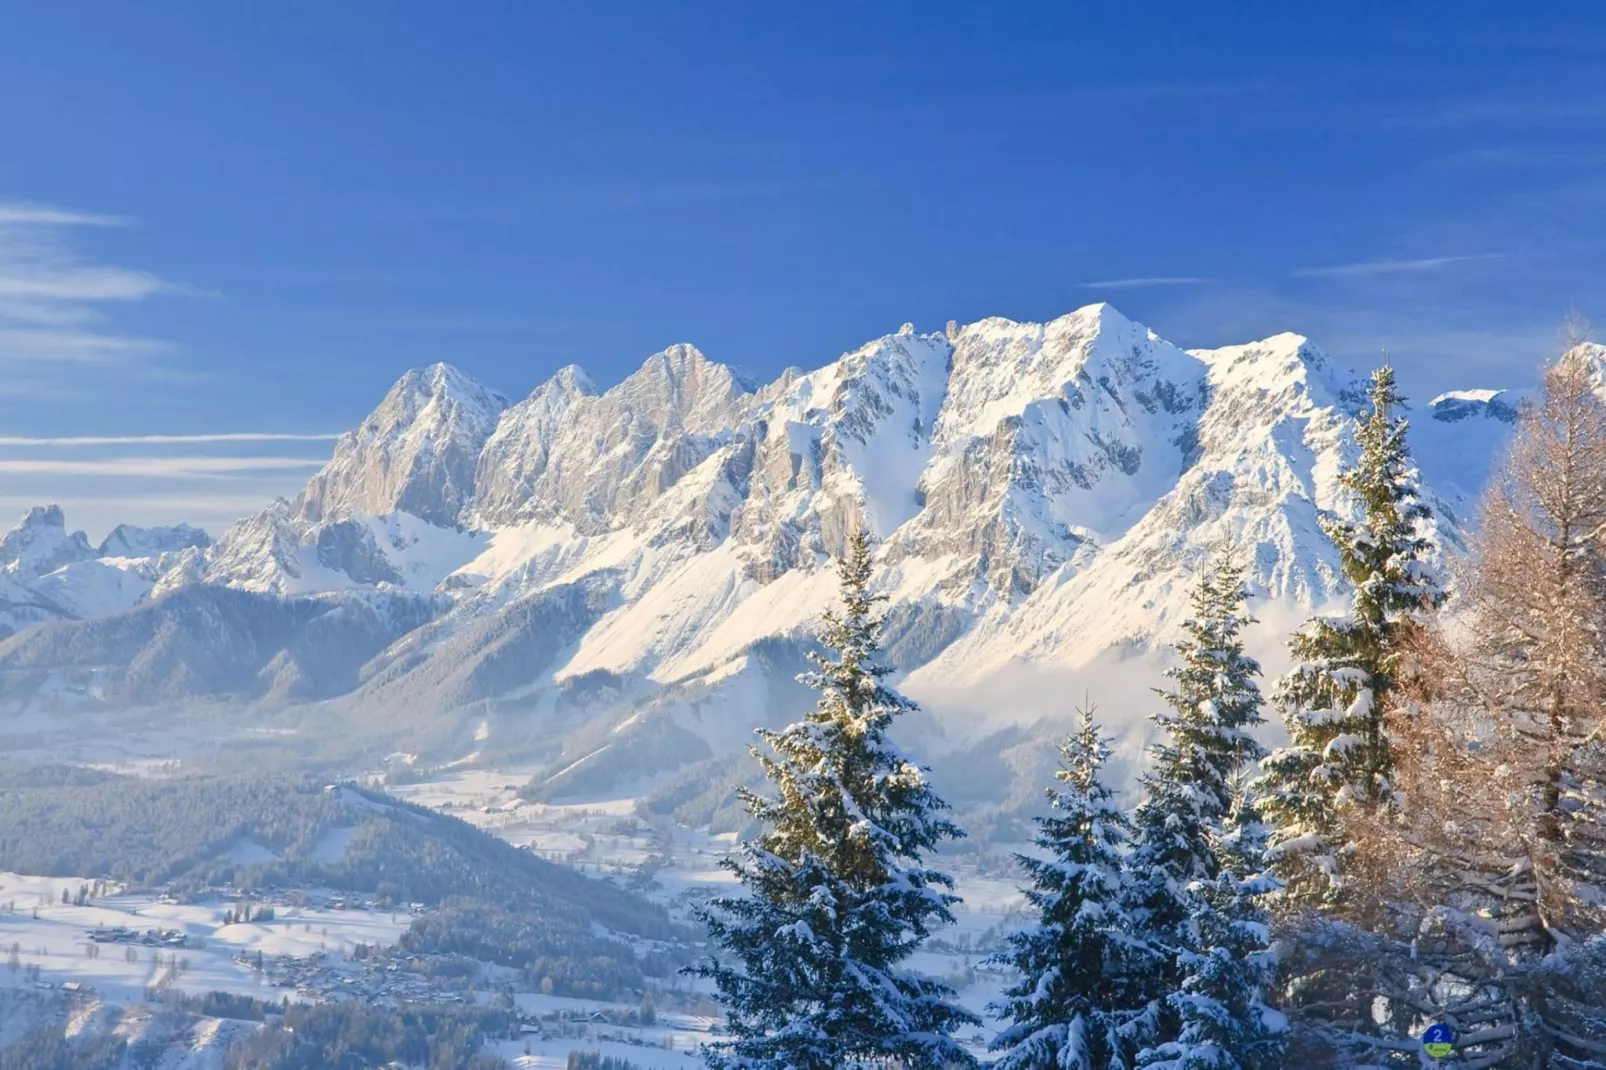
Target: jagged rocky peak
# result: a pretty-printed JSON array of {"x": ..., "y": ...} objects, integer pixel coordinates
[
  {"x": 416, "y": 453},
  {"x": 1457, "y": 406},
  {"x": 685, "y": 387},
  {"x": 599, "y": 460},
  {"x": 1051, "y": 438},
  {"x": 1257, "y": 386},
  {"x": 1000, "y": 367},
  {"x": 842, "y": 447},
  {"x": 127, "y": 540},
  {"x": 570, "y": 381},
  {"x": 516, "y": 453},
  {"x": 41, "y": 543},
  {"x": 258, "y": 553},
  {"x": 1280, "y": 364}
]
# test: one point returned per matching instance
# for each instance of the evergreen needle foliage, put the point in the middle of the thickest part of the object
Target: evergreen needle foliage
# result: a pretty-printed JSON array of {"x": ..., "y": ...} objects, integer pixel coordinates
[
  {"x": 1079, "y": 967},
  {"x": 1346, "y": 668},
  {"x": 1195, "y": 866},
  {"x": 837, "y": 892}
]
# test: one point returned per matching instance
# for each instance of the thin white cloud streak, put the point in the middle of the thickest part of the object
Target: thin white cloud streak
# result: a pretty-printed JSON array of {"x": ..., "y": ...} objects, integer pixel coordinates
[
  {"x": 166, "y": 440},
  {"x": 159, "y": 467},
  {"x": 165, "y": 508},
  {"x": 1388, "y": 267},
  {"x": 21, "y": 212},
  {"x": 82, "y": 284},
  {"x": 37, "y": 346},
  {"x": 1138, "y": 283}
]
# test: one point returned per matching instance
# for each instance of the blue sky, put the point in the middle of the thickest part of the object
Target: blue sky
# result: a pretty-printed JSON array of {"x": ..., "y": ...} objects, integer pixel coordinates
[{"x": 227, "y": 219}]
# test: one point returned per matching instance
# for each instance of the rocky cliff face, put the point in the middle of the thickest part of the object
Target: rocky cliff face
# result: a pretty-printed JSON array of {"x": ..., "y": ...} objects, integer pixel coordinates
[{"x": 417, "y": 453}]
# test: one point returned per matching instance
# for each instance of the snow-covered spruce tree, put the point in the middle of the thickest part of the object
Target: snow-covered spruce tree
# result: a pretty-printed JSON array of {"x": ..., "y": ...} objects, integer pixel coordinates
[
  {"x": 1072, "y": 1008},
  {"x": 837, "y": 893},
  {"x": 1193, "y": 904},
  {"x": 1228, "y": 969},
  {"x": 1334, "y": 700}
]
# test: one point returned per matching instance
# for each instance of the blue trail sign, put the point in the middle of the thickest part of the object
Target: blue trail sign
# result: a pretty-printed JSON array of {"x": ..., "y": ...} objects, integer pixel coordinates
[{"x": 1439, "y": 1041}]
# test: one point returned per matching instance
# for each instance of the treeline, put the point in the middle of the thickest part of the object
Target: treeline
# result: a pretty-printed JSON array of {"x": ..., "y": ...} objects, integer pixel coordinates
[
  {"x": 150, "y": 832},
  {"x": 49, "y": 1048},
  {"x": 590, "y": 1060},
  {"x": 559, "y": 958},
  {"x": 1430, "y": 848},
  {"x": 177, "y": 833},
  {"x": 352, "y": 1033},
  {"x": 294, "y": 1036}
]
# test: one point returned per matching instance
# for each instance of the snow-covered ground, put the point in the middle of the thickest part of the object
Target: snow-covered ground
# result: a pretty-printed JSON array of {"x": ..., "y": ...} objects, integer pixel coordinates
[
  {"x": 553, "y": 1054},
  {"x": 55, "y": 937},
  {"x": 678, "y": 867}
]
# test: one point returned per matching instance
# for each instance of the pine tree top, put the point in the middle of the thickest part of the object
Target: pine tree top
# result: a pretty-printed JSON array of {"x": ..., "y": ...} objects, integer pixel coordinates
[
  {"x": 1188, "y": 791},
  {"x": 1384, "y": 554}
]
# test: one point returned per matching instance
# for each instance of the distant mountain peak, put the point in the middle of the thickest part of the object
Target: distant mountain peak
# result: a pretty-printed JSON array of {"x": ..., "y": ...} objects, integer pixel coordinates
[
  {"x": 43, "y": 516},
  {"x": 1455, "y": 406},
  {"x": 40, "y": 544},
  {"x": 127, "y": 540},
  {"x": 690, "y": 370},
  {"x": 571, "y": 379}
]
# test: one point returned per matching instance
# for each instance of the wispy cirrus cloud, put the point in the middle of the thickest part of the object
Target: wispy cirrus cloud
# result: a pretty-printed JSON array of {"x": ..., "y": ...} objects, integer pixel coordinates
[
  {"x": 54, "y": 301},
  {"x": 13, "y": 212},
  {"x": 1143, "y": 281},
  {"x": 157, "y": 467},
  {"x": 167, "y": 440},
  {"x": 1389, "y": 267}
]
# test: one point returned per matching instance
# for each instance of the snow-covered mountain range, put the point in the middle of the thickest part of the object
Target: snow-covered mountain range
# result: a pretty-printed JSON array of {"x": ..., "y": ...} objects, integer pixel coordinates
[{"x": 642, "y": 566}]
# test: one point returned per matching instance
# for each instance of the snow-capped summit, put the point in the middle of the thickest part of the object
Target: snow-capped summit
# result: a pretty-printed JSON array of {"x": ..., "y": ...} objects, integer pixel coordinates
[
  {"x": 48, "y": 573},
  {"x": 1052, "y": 437},
  {"x": 41, "y": 543},
  {"x": 126, "y": 540},
  {"x": 1457, "y": 405},
  {"x": 416, "y": 453}
]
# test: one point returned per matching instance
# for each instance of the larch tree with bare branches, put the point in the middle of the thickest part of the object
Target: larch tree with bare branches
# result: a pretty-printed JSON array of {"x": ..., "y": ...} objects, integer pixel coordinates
[{"x": 1502, "y": 850}]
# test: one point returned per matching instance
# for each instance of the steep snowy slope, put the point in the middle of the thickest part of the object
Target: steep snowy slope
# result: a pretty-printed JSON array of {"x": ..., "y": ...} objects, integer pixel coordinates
[
  {"x": 1052, "y": 440},
  {"x": 1041, "y": 494},
  {"x": 278, "y": 552}
]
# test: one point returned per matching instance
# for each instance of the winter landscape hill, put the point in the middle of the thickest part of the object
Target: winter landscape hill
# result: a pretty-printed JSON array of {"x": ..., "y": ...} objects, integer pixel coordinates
[{"x": 623, "y": 581}]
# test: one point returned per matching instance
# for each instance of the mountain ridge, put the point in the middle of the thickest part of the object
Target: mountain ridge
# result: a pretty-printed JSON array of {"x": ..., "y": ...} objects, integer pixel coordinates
[{"x": 1039, "y": 493}]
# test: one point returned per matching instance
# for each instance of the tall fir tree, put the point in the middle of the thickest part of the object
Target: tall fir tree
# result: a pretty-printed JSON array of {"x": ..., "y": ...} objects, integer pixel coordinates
[
  {"x": 837, "y": 891},
  {"x": 1191, "y": 905},
  {"x": 1072, "y": 1008},
  {"x": 1228, "y": 969},
  {"x": 1346, "y": 669}
]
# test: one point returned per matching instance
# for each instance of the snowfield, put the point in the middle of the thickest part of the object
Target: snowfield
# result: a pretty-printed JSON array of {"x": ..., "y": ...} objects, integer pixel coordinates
[{"x": 57, "y": 940}]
